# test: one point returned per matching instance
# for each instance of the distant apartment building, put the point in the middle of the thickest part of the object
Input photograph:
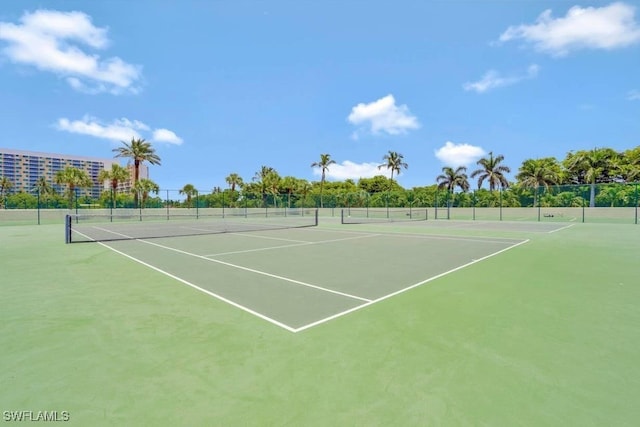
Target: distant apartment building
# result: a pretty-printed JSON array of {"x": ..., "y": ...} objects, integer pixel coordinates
[{"x": 23, "y": 168}]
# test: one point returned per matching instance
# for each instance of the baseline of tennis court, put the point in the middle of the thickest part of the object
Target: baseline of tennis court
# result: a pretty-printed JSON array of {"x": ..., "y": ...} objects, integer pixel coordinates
[
  {"x": 499, "y": 226},
  {"x": 300, "y": 278}
]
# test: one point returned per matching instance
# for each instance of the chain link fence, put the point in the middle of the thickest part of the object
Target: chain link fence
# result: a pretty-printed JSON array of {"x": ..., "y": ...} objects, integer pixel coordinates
[{"x": 613, "y": 203}]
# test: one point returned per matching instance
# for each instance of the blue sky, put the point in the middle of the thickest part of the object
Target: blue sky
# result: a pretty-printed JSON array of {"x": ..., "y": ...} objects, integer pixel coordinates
[{"x": 224, "y": 87}]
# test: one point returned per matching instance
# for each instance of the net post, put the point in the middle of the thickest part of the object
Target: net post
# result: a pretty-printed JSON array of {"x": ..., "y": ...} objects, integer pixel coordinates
[
  {"x": 341, "y": 216},
  {"x": 67, "y": 229},
  {"x": 316, "y": 217}
]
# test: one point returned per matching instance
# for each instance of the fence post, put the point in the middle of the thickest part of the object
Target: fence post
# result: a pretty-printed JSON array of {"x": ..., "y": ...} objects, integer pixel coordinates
[
  {"x": 386, "y": 202},
  {"x": 473, "y": 203},
  {"x": 537, "y": 200},
  {"x": 38, "y": 203},
  {"x": 636, "y": 220}
]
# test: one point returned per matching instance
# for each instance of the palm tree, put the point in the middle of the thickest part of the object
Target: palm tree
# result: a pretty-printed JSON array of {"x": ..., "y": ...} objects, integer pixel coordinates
[
  {"x": 144, "y": 187},
  {"x": 304, "y": 188},
  {"x": 323, "y": 165},
  {"x": 234, "y": 180},
  {"x": 5, "y": 184},
  {"x": 189, "y": 190},
  {"x": 115, "y": 176},
  {"x": 139, "y": 151},
  {"x": 395, "y": 162},
  {"x": 261, "y": 178},
  {"x": 72, "y": 178},
  {"x": 272, "y": 183},
  {"x": 290, "y": 184},
  {"x": 450, "y": 179},
  {"x": 590, "y": 167},
  {"x": 492, "y": 171},
  {"x": 536, "y": 173},
  {"x": 43, "y": 188},
  {"x": 632, "y": 164}
]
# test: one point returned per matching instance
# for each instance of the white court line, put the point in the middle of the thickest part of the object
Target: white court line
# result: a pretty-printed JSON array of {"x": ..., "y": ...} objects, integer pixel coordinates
[
  {"x": 290, "y": 246},
  {"x": 477, "y": 239},
  {"x": 257, "y": 249},
  {"x": 561, "y": 228},
  {"x": 221, "y": 298},
  {"x": 263, "y": 273},
  {"x": 480, "y": 239},
  {"x": 255, "y": 236},
  {"x": 318, "y": 322},
  {"x": 430, "y": 279}
]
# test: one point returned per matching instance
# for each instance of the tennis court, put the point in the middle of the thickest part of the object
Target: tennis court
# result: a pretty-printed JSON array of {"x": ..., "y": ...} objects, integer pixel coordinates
[
  {"x": 425, "y": 322},
  {"x": 295, "y": 278}
]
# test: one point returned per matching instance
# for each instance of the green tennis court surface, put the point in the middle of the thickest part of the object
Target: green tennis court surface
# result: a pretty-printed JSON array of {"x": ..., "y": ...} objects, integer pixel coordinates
[
  {"x": 417, "y": 323},
  {"x": 301, "y": 278}
]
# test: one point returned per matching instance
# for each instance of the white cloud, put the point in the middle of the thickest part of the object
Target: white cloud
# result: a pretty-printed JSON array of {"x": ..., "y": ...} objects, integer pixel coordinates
[
  {"x": 51, "y": 41},
  {"x": 118, "y": 130},
  {"x": 165, "y": 135},
  {"x": 351, "y": 170},
  {"x": 383, "y": 115},
  {"x": 454, "y": 155},
  {"x": 633, "y": 95},
  {"x": 607, "y": 27},
  {"x": 492, "y": 80}
]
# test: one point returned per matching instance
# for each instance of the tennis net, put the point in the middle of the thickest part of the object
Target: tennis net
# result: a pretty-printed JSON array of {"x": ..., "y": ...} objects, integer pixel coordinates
[
  {"x": 110, "y": 227},
  {"x": 372, "y": 215}
]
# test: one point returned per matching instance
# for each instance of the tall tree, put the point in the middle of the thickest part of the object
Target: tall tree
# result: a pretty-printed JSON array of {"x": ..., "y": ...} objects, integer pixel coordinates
[
  {"x": 492, "y": 171},
  {"x": 631, "y": 165},
  {"x": 115, "y": 176},
  {"x": 536, "y": 173},
  {"x": 5, "y": 185},
  {"x": 450, "y": 179},
  {"x": 592, "y": 167},
  {"x": 394, "y": 161},
  {"x": 272, "y": 183},
  {"x": 139, "y": 151},
  {"x": 323, "y": 165},
  {"x": 43, "y": 188},
  {"x": 234, "y": 180},
  {"x": 304, "y": 188},
  {"x": 189, "y": 190},
  {"x": 73, "y": 178},
  {"x": 289, "y": 183},
  {"x": 261, "y": 178},
  {"x": 143, "y": 187}
]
